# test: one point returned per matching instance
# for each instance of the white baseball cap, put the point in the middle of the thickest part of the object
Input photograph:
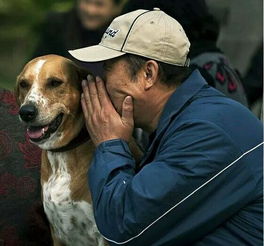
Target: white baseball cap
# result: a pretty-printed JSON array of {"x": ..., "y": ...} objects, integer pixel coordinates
[{"x": 148, "y": 33}]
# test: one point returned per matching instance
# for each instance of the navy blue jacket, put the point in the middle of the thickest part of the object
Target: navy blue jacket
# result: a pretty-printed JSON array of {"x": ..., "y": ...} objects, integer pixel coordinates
[{"x": 200, "y": 181}]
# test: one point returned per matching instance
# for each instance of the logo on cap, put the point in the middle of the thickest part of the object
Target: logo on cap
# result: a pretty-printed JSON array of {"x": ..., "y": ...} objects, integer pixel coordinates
[{"x": 110, "y": 32}]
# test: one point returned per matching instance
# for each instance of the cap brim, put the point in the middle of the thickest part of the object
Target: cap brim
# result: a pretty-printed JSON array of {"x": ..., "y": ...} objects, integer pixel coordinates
[{"x": 95, "y": 53}]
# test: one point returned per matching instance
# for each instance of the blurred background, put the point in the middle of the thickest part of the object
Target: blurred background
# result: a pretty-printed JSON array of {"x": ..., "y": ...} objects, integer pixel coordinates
[{"x": 22, "y": 30}]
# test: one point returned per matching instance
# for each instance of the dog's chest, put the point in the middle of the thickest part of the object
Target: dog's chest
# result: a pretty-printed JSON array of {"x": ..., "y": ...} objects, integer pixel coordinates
[{"x": 72, "y": 221}]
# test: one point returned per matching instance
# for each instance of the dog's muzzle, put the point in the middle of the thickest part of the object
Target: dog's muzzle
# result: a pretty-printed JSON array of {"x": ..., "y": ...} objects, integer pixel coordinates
[{"x": 28, "y": 112}]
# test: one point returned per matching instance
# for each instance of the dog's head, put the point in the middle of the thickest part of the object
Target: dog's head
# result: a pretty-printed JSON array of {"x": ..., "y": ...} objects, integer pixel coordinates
[{"x": 48, "y": 91}]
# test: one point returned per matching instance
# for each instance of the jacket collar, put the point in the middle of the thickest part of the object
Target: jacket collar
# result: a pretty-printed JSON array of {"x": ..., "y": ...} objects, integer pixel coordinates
[
  {"x": 180, "y": 98},
  {"x": 176, "y": 103}
]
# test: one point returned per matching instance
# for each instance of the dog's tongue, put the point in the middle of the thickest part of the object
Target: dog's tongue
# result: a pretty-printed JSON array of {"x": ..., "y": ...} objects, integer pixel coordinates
[{"x": 36, "y": 132}]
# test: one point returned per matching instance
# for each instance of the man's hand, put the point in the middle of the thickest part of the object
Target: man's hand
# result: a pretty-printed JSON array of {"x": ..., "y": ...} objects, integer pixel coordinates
[{"x": 101, "y": 119}]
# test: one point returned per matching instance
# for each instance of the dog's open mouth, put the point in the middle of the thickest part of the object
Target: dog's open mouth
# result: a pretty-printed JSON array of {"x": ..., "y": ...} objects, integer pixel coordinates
[{"x": 38, "y": 133}]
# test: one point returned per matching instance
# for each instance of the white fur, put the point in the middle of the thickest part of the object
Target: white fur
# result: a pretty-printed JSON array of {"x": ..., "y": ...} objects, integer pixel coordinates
[
  {"x": 35, "y": 96},
  {"x": 61, "y": 209},
  {"x": 38, "y": 66}
]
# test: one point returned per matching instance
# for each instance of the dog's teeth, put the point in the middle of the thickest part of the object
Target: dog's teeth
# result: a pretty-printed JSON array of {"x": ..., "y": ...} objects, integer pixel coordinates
[{"x": 43, "y": 131}]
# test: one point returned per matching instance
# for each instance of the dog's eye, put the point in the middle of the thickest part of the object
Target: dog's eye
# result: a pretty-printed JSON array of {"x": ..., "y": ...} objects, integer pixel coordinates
[
  {"x": 54, "y": 82},
  {"x": 23, "y": 84}
]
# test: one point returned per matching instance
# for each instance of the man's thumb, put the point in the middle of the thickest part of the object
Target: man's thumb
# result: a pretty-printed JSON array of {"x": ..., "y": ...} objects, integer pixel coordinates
[{"x": 127, "y": 111}]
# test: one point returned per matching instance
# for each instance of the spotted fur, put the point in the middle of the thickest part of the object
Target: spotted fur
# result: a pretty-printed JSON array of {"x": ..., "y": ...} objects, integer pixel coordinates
[{"x": 72, "y": 221}]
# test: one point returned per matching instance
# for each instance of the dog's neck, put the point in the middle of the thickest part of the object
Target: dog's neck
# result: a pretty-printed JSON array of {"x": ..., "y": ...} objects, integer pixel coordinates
[
  {"x": 69, "y": 165},
  {"x": 82, "y": 137}
]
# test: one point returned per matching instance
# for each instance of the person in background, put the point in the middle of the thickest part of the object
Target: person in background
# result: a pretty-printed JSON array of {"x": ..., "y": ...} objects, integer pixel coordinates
[
  {"x": 82, "y": 26},
  {"x": 253, "y": 83}
]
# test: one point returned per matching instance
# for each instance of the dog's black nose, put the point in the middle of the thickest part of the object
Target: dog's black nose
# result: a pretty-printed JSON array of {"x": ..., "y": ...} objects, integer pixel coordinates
[{"x": 28, "y": 112}]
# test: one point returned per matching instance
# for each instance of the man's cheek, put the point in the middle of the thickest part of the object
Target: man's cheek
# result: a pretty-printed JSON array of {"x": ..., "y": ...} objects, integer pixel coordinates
[
  {"x": 118, "y": 106},
  {"x": 117, "y": 103}
]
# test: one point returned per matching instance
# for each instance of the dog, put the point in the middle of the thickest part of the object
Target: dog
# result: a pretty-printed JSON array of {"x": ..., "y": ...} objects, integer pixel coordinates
[{"x": 48, "y": 91}]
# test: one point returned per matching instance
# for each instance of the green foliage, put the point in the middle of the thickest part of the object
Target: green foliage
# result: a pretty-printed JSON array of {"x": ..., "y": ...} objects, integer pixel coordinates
[{"x": 19, "y": 32}]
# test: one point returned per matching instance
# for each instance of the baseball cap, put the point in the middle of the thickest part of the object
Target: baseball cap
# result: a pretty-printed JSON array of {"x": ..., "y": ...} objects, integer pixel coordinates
[{"x": 149, "y": 33}]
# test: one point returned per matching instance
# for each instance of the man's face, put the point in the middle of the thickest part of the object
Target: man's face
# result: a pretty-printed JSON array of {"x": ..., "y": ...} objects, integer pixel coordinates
[
  {"x": 119, "y": 84},
  {"x": 95, "y": 14}
]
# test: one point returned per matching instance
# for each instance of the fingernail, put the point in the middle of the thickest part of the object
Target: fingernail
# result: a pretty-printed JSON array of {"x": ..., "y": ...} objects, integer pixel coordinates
[
  {"x": 84, "y": 83},
  {"x": 128, "y": 99},
  {"x": 98, "y": 79},
  {"x": 89, "y": 77}
]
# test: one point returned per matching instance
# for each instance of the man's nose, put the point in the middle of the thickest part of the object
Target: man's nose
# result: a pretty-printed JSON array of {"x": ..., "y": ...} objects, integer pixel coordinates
[{"x": 28, "y": 112}]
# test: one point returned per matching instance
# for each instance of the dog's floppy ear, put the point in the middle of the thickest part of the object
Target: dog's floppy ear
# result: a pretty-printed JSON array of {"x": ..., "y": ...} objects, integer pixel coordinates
[{"x": 83, "y": 73}]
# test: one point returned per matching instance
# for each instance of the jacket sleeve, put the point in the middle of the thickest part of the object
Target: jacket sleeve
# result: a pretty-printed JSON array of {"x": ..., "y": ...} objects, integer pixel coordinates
[{"x": 183, "y": 194}]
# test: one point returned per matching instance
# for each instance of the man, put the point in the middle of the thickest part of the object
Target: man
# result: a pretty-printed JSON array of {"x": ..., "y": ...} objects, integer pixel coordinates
[{"x": 200, "y": 181}]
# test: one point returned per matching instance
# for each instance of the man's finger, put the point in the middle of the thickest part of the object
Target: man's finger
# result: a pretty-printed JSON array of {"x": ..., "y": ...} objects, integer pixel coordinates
[
  {"x": 84, "y": 107},
  {"x": 102, "y": 93},
  {"x": 86, "y": 96},
  {"x": 93, "y": 92},
  {"x": 127, "y": 111}
]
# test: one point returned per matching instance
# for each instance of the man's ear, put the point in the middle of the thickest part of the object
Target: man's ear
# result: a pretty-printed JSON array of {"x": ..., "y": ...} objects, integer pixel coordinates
[{"x": 151, "y": 70}]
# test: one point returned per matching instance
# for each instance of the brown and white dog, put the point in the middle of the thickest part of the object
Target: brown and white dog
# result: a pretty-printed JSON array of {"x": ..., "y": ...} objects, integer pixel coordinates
[{"x": 48, "y": 91}]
